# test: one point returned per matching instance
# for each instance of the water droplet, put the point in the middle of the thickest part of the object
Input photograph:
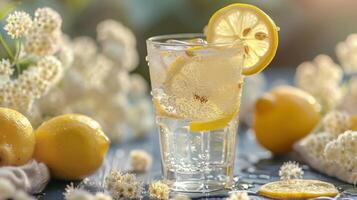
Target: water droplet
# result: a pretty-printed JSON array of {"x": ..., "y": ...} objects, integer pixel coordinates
[
  {"x": 348, "y": 189},
  {"x": 264, "y": 176},
  {"x": 252, "y": 176}
]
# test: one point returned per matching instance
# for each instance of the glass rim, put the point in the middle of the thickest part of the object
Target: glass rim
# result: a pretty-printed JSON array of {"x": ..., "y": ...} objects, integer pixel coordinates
[{"x": 158, "y": 40}]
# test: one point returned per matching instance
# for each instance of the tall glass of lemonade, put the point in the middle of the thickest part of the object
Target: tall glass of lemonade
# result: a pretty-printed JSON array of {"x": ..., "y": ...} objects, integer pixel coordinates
[{"x": 197, "y": 82}]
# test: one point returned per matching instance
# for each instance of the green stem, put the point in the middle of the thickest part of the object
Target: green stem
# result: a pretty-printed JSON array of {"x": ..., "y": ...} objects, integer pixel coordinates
[
  {"x": 18, "y": 50},
  {"x": 7, "y": 49}
]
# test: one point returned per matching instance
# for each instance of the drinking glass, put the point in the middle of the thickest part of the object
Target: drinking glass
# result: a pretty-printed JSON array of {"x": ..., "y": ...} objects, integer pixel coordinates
[{"x": 196, "y": 92}]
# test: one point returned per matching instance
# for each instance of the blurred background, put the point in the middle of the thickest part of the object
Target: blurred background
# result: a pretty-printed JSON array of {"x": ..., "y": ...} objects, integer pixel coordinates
[{"x": 307, "y": 28}]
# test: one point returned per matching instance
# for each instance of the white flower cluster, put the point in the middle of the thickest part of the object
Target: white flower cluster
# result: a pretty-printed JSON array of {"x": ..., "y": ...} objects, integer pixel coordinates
[
  {"x": 118, "y": 43},
  {"x": 343, "y": 151},
  {"x": 350, "y": 100},
  {"x": 5, "y": 71},
  {"x": 123, "y": 185},
  {"x": 100, "y": 85},
  {"x": 41, "y": 40},
  {"x": 321, "y": 78},
  {"x": 333, "y": 151},
  {"x": 239, "y": 196},
  {"x": 18, "y": 24},
  {"x": 140, "y": 160},
  {"x": 336, "y": 122},
  {"x": 290, "y": 170},
  {"x": 8, "y": 191},
  {"x": 32, "y": 84},
  {"x": 159, "y": 190},
  {"x": 315, "y": 144},
  {"x": 346, "y": 52},
  {"x": 44, "y": 36}
]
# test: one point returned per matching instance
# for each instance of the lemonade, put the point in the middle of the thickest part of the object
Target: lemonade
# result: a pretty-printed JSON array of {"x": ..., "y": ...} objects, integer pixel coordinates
[{"x": 197, "y": 82}]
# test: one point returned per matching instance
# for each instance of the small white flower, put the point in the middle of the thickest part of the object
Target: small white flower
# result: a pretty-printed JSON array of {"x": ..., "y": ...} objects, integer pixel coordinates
[
  {"x": 102, "y": 196},
  {"x": 5, "y": 67},
  {"x": 42, "y": 44},
  {"x": 239, "y": 196},
  {"x": 123, "y": 185},
  {"x": 79, "y": 195},
  {"x": 138, "y": 85},
  {"x": 321, "y": 78},
  {"x": 315, "y": 143},
  {"x": 337, "y": 122},
  {"x": 140, "y": 160},
  {"x": 118, "y": 43},
  {"x": 18, "y": 24},
  {"x": 69, "y": 189},
  {"x": 346, "y": 52},
  {"x": 47, "y": 20},
  {"x": 159, "y": 190},
  {"x": 342, "y": 151},
  {"x": 290, "y": 170}
]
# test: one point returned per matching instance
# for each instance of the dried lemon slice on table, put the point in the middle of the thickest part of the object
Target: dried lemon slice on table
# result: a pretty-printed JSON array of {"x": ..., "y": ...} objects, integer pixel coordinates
[
  {"x": 250, "y": 25},
  {"x": 298, "y": 189}
]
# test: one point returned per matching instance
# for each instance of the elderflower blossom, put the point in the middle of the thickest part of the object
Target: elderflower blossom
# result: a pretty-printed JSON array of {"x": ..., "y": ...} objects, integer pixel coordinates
[
  {"x": 18, "y": 24},
  {"x": 140, "y": 160},
  {"x": 118, "y": 43},
  {"x": 47, "y": 20},
  {"x": 5, "y": 71},
  {"x": 44, "y": 37},
  {"x": 32, "y": 84},
  {"x": 290, "y": 170},
  {"x": 84, "y": 49},
  {"x": 138, "y": 85},
  {"x": 68, "y": 190},
  {"x": 123, "y": 185},
  {"x": 42, "y": 44},
  {"x": 79, "y": 194},
  {"x": 342, "y": 151},
  {"x": 337, "y": 122},
  {"x": 239, "y": 196},
  {"x": 314, "y": 144},
  {"x": 5, "y": 67},
  {"x": 102, "y": 196},
  {"x": 321, "y": 78},
  {"x": 159, "y": 190},
  {"x": 73, "y": 193},
  {"x": 346, "y": 52}
]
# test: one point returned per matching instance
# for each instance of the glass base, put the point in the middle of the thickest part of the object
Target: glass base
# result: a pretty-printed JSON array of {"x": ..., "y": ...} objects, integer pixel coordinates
[{"x": 197, "y": 187}]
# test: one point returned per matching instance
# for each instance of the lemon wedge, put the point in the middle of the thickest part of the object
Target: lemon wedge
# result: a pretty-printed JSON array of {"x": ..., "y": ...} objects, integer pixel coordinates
[
  {"x": 249, "y": 25},
  {"x": 203, "y": 86},
  {"x": 297, "y": 189}
]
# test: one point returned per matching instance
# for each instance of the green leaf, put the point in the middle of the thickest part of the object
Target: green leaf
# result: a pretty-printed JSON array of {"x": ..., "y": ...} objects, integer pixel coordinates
[{"x": 5, "y": 10}]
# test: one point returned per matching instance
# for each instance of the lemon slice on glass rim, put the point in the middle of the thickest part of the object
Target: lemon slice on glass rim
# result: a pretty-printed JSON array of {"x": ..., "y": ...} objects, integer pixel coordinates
[
  {"x": 255, "y": 30},
  {"x": 297, "y": 189}
]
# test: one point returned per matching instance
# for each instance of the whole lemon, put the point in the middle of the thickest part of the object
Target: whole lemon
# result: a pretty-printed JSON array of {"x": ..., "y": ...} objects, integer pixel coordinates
[
  {"x": 17, "y": 140},
  {"x": 283, "y": 116},
  {"x": 72, "y": 146}
]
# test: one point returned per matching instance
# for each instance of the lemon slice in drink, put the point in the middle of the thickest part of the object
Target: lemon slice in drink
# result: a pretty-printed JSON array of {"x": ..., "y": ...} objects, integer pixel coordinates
[
  {"x": 249, "y": 25},
  {"x": 204, "y": 89},
  {"x": 297, "y": 189}
]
